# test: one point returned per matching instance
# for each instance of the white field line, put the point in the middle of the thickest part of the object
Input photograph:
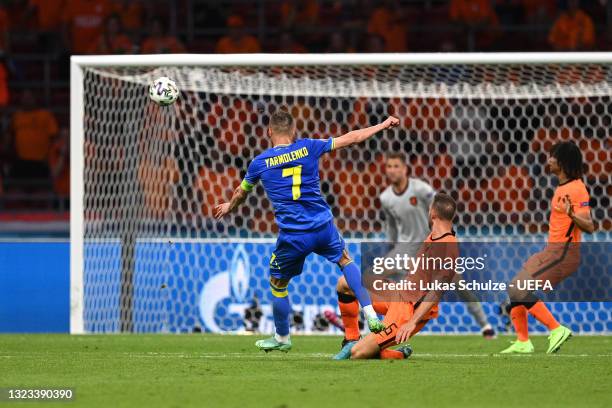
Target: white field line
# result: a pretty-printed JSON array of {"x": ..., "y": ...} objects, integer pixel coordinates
[
  {"x": 325, "y": 355},
  {"x": 289, "y": 355}
]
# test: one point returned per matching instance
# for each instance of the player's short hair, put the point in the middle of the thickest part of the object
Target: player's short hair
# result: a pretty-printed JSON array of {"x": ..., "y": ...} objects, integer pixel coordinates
[
  {"x": 398, "y": 156},
  {"x": 445, "y": 206},
  {"x": 281, "y": 122},
  {"x": 569, "y": 158}
]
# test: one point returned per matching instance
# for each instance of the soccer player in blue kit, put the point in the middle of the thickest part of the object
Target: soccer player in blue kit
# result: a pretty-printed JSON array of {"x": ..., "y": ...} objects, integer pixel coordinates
[{"x": 289, "y": 172}]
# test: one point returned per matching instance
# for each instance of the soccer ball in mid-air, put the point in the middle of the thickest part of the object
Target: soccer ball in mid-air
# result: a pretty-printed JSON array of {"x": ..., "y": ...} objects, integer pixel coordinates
[{"x": 163, "y": 91}]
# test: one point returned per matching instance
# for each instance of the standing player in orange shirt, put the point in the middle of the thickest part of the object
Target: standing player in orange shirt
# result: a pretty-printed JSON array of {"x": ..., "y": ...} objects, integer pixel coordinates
[
  {"x": 570, "y": 214},
  {"x": 406, "y": 313}
]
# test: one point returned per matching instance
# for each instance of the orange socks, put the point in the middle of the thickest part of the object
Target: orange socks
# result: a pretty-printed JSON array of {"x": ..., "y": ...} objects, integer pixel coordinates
[
  {"x": 388, "y": 354},
  {"x": 349, "y": 311},
  {"x": 541, "y": 312},
  {"x": 519, "y": 320}
]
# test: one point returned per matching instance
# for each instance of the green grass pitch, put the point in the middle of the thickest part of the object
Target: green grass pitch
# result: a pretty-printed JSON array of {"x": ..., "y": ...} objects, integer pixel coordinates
[{"x": 227, "y": 371}]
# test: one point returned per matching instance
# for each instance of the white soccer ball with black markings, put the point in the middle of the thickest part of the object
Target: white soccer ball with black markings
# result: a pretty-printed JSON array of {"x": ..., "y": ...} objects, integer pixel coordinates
[{"x": 163, "y": 91}]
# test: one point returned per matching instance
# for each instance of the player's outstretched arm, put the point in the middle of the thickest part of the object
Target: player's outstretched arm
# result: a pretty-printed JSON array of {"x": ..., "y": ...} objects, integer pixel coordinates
[
  {"x": 359, "y": 135},
  {"x": 237, "y": 198}
]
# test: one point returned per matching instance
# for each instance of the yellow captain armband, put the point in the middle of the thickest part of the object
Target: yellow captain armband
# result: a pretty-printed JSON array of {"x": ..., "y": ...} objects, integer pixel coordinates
[
  {"x": 333, "y": 146},
  {"x": 246, "y": 186}
]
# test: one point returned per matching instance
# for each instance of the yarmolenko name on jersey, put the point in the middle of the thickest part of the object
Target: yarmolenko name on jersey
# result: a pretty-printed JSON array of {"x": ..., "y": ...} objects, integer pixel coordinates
[{"x": 287, "y": 157}]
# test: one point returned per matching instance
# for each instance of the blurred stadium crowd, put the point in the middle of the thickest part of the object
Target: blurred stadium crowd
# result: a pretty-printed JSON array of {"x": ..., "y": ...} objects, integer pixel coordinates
[{"x": 37, "y": 37}]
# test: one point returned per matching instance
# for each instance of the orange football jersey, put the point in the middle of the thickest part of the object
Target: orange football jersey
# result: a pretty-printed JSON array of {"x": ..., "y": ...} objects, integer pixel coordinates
[
  {"x": 450, "y": 250},
  {"x": 448, "y": 237},
  {"x": 561, "y": 226}
]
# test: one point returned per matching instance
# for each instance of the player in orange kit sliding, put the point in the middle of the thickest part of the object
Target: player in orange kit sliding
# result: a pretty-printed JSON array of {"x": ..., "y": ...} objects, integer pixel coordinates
[{"x": 406, "y": 312}]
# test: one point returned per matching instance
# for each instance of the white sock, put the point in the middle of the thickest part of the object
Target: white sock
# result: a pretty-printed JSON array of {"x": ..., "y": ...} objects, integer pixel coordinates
[
  {"x": 369, "y": 312},
  {"x": 281, "y": 339}
]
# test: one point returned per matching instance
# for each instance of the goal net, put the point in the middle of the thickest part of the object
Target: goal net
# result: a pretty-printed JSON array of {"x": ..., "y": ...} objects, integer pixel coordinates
[{"x": 147, "y": 255}]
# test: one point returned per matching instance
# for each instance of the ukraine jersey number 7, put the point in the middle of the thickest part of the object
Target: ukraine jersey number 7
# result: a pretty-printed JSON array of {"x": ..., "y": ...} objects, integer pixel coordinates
[{"x": 290, "y": 177}]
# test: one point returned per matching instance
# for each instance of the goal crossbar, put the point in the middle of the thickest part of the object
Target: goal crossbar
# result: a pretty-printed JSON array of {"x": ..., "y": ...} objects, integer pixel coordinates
[{"x": 495, "y": 58}]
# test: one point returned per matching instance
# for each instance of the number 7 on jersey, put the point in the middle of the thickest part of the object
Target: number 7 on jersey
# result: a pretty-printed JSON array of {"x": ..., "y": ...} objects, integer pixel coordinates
[{"x": 296, "y": 172}]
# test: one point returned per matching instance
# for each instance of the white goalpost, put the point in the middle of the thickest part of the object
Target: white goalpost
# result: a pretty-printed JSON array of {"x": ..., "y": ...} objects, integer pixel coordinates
[{"x": 146, "y": 253}]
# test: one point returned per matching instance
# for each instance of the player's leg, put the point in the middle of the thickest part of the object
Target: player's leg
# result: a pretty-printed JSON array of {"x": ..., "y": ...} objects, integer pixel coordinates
[
  {"x": 404, "y": 351},
  {"x": 286, "y": 261},
  {"x": 352, "y": 274},
  {"x": 376, "y": 345},
  {"x": 558, "y": 334},
  {"x": 349, "y": 311},
  {"x": 520, "y": 303},
  {"x": 517, "y": 310},
  {"x": 331, "y": 246},
  {"x": 281, "y": 310},
  {"x": 523, "y": 302},
  {"x": 373, "y": 345},
  {"x": 529, "y": 303},
  {"x": 518, "y": 315},
  {"x": 366, "y": 348},
  {"x": 561, "y": 261}
]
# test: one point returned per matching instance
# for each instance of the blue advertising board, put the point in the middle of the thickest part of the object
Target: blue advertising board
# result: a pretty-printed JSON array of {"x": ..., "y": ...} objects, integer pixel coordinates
[
  {"x": 206, "y": 285},
  {"x": 34, "y": 287}
]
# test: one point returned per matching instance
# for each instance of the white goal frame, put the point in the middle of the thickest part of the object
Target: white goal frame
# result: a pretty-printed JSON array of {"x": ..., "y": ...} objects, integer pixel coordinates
[{"x": 79, "y": 63}]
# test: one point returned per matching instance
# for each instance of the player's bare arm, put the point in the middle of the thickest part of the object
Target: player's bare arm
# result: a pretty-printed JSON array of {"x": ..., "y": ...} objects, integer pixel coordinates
[
  {"x": 582, "y": 219},
  {"x": 237, "y": 198},
  {"x": 360, "y": 135},
  {"x": 405, "y": 332},
  {"x": 430, "y": 299}
]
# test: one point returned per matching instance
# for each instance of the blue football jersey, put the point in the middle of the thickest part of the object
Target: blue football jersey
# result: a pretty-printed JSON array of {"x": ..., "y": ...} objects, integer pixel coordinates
[{"x": 290, "y": 177}]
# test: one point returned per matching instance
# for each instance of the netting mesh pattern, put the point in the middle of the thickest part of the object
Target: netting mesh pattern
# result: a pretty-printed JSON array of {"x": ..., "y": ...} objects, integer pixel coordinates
[{"x": 480, "y": 133}]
